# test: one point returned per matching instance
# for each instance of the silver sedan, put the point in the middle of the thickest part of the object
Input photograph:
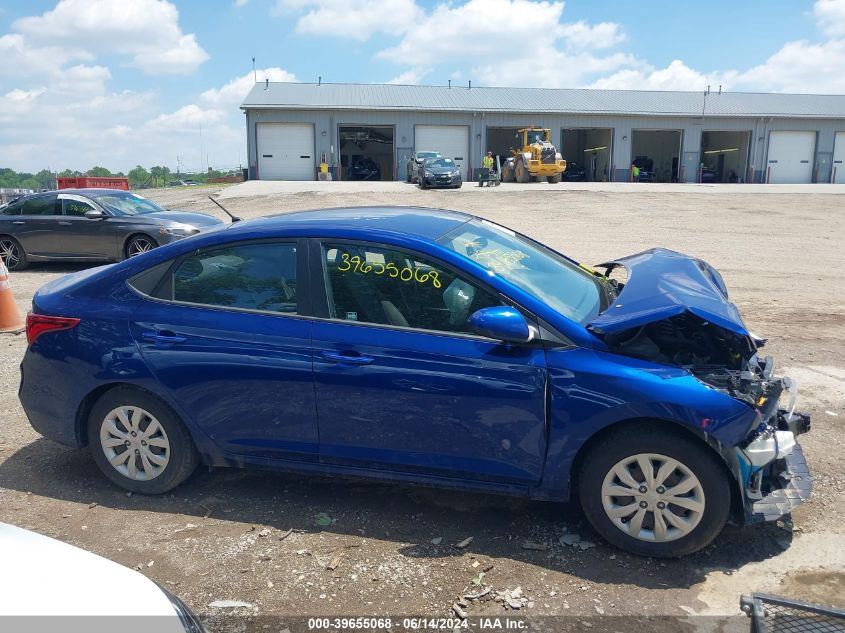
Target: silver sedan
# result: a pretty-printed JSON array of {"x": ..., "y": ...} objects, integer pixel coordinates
[{"x": 96, "y": 225}]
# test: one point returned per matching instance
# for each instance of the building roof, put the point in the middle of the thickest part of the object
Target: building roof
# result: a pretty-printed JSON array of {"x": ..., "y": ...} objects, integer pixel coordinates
[{"x": 307, "y": 96}]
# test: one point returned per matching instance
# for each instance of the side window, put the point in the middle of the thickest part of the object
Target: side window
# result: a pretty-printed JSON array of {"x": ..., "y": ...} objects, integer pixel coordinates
[
  {"x": 250, "y": 276},
  {"x": 13, "y": 208},
  {"x": 42, "y": 205},
  {"x": 75, "y": 207},
  {"x": 379, "y": 285}
]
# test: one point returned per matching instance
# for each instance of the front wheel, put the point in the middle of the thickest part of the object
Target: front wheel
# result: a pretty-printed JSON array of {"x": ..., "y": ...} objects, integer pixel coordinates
[
  {"x": 12, "y": 253},
  {"x": 654, "y": 493},
  {"x": 138, "y": 245},
  {"x": 139, "y": 443}
]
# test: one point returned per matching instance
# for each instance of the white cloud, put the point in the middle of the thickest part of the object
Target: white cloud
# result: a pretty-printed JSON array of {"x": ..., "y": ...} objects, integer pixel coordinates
[
  {"x": 801, "y": 67},
  {"x": 233, "y": 93},
  {"x": 239, "y": 3},
  {"x": 582, "y": 35},
  {"x": 411, "y": 76},
  {"x": 352, "y": 19},
  {"x": 676, "y": 76},
  {"x": 486, "y": 35},
  {"x": 147, "y": 31},
  {"x": 478, "y": 29},
  {"x": 830, "y": 16}
]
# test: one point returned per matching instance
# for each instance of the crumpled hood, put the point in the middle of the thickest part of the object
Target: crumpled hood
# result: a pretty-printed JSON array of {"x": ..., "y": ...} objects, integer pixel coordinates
[{"x": 662, "y": 284}]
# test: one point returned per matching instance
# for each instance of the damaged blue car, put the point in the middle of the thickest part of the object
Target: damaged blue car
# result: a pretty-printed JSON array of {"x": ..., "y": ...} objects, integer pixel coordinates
[{"x": 430, "y": 347}]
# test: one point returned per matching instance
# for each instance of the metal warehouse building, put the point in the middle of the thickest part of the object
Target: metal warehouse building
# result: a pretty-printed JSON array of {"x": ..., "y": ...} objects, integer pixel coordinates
[{"x": 735, "y": 137}]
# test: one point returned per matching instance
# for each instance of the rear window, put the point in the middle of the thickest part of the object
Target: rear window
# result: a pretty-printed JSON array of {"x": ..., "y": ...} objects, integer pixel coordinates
[
  {"x": 43, "y": 205},
  {"x": 13, "y": 208},
  {"x": 246, "y": 276}
]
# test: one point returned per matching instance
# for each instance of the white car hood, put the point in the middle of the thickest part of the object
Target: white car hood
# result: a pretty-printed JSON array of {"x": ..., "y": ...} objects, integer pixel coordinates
[{"x": 45, "y": 577}]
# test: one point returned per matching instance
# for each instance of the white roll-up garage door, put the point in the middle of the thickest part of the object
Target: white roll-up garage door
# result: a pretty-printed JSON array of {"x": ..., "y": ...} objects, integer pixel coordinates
[
  {"x": 791, "y": 157},
  {"x": 839, "y": 158},
  {"x": 452, "y": 141},
  {"x": 285, "y": 151}
]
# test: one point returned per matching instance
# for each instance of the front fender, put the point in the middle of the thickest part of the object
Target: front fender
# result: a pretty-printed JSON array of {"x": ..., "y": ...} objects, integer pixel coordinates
[{"x": 593, "y": 390}]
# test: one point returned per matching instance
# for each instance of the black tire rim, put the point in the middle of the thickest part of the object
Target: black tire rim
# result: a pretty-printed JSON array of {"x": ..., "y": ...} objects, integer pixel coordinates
[
  {"x": 139, "y": 245},
  {"x": 10, "y": 254}
]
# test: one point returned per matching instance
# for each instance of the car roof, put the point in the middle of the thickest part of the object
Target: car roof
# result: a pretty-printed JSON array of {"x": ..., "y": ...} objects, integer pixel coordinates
[{"x": 416, "y": 221}]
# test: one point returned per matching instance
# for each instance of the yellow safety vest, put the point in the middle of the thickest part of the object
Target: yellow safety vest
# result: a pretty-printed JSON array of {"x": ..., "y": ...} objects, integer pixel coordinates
[{"x": 487, "y": 163}]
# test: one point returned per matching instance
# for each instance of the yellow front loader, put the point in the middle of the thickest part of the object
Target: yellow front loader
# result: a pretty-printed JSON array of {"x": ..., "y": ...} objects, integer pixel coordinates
[{"x": 535, "y": 159}]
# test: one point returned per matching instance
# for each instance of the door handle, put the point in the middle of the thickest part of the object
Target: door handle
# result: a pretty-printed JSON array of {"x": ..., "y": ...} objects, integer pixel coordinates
[
  {"x": 64, "y": 223},
  {"x": 163, "y": 339},
  {"x": 18, "y": 222},
  {"x": 343, "y": 359}
]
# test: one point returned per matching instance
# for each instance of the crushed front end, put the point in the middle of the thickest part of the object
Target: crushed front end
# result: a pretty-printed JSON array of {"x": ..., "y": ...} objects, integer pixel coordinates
[
  {"x": 772, "y": 469},
  {"x": 674, "y": 310}
]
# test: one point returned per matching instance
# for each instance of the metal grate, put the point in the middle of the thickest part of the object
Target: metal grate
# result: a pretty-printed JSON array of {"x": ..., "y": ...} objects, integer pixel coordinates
[{"x": 770, "y": 614}]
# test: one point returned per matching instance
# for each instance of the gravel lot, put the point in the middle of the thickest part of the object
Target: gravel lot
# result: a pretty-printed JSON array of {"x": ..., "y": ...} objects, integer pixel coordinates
[{"x": 254, "y": 536}]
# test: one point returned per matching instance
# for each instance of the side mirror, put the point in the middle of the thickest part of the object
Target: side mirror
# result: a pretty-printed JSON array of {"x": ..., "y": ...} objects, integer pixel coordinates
[
  {"x": 94, "y": 214},
  {"x": 502, "y": 323}
]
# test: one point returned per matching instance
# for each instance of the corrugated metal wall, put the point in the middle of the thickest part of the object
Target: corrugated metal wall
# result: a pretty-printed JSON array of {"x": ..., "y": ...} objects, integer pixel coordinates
[{"x": 326, "y": 123}]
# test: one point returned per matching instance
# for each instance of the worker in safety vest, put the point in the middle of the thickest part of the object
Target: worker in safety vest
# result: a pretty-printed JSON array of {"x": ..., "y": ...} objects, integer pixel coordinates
[{"x": 487, "y": 161}]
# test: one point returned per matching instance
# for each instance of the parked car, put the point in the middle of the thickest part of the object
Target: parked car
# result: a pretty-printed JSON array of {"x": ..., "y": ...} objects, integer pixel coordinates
[
  {"x": 440, "y": 172},
  {"x": 575, "y": 172},
  {"x": 413, "y": 166},
  {"x": 90, "y": 225},
  {"x": 50, "y": 585},
  {"x": 423, "y": 346},
  {"x": 365, "y": 169},
  {"x": 709, "y": 175},
  {"x": 646, "y": 167}
]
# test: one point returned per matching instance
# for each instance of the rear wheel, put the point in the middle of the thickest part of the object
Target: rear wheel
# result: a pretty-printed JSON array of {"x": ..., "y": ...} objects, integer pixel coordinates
[
  {"x": 139, "y": 244},
  {"x": 554, "y": 179},
  {"x": 12, "y": 253},
  {"x": 507, "y": 172},
  {"x": 653, "y": 492},
  {"x": 139, "y": 443}
]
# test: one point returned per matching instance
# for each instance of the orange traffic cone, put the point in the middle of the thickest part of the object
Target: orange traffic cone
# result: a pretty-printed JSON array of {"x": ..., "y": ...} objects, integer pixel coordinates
[{"x": 10, "y": 316}]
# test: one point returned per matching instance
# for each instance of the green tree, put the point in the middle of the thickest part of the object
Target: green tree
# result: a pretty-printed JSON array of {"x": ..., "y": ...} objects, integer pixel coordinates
[
  {"x": 138, "y": 176},
  {"x": 99, "y": 171}
]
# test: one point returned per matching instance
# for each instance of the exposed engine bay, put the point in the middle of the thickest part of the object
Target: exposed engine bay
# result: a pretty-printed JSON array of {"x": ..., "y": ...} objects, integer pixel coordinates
[{"x": 674, "y": 310}]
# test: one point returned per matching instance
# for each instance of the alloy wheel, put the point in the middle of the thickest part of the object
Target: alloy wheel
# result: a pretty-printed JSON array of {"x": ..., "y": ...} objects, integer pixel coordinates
[
  {"x": 653, "y": 497},
  {"x": 10, "y": 253},
  {"x": 135, "y": 443},
  {"x": 139, "y": 245}
]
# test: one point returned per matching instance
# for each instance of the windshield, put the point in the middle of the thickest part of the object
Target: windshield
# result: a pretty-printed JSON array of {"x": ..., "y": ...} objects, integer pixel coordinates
[
  {"x": 537, "y": 270},
  {"x": 428, "y": 154},
  {"x": 127, "y": 203},
  {"x": 448, "y": 163},
  {"x": 536, "y": 136}
]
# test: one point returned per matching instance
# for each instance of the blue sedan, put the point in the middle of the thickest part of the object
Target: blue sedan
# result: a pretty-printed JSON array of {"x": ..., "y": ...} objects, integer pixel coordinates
[{"x": 423, "y": 346}]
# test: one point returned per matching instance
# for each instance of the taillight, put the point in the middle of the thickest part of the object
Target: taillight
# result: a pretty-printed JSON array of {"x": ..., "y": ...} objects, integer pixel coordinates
[{"x": 38, "y": 324}]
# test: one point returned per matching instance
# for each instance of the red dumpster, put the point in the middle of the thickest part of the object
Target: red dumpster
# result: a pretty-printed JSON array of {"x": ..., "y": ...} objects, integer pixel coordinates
[{"x": 93, "y": 182}]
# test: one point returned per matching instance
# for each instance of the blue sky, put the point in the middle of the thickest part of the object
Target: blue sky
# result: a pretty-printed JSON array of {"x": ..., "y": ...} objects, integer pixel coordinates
[{"x": 120, "y": 82}]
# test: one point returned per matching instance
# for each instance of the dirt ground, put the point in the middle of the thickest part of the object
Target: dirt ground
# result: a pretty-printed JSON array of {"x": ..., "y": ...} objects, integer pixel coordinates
[{"x": 391, "y": 550}]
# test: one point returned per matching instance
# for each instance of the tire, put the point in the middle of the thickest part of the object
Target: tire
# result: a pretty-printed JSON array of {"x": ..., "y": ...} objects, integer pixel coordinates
[
  {"x": 12, "y": 253},
  {"x": 522, "y": 175},
  {"x": 691, "y": 528},
  {"x": 408, "y": 177},
  {"x": 170, "y": 442},
  {"x": 138, "y": 244},
  {"x": 507, "y": 172},
  {"x": 554, "y": 179}
]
